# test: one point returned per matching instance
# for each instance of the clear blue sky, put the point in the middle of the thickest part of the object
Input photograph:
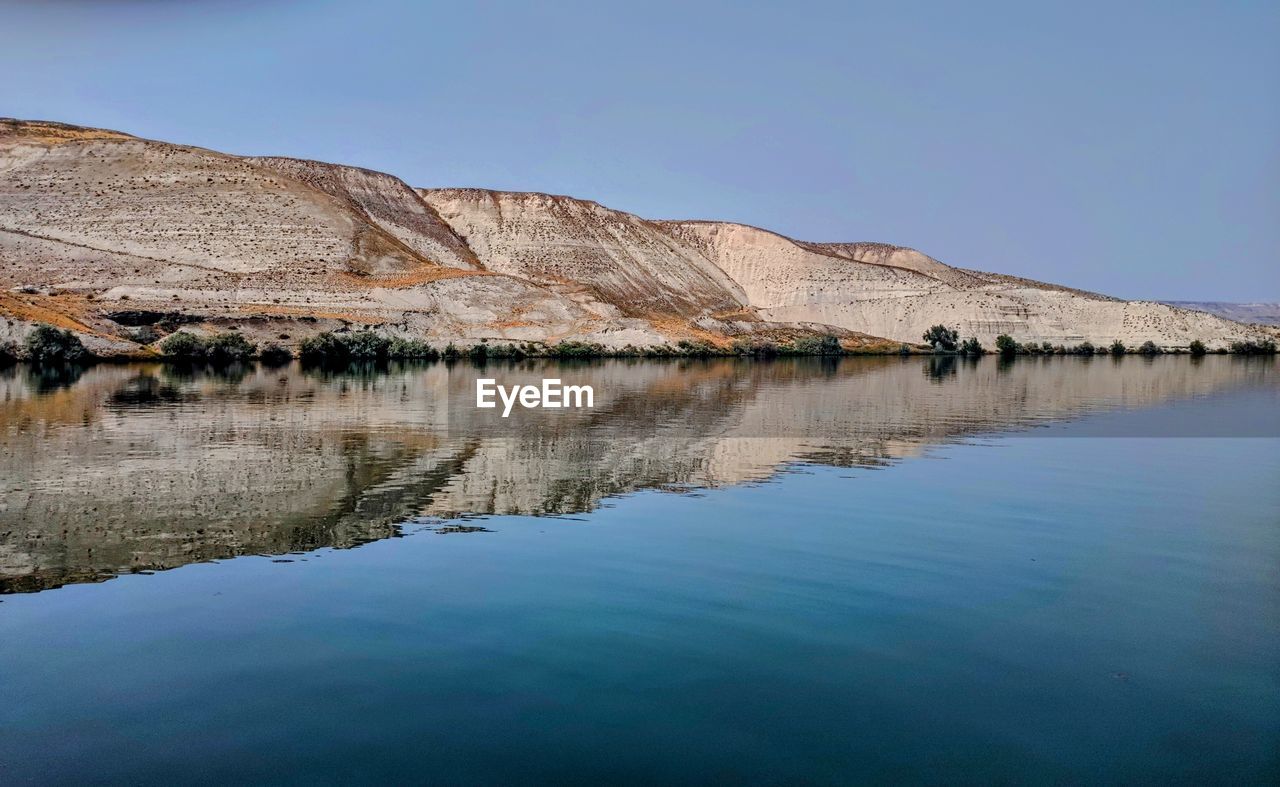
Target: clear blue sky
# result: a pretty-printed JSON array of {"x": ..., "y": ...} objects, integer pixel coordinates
[{"x": 1131, "y": 148}]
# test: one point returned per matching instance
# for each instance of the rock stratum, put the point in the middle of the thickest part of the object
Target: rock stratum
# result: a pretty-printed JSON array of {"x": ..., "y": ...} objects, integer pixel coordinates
[{"x": 123, "y": 239}]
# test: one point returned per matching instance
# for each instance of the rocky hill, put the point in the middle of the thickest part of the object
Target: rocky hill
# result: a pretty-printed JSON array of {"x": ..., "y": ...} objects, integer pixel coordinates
[{"x": 122, "y": 239}]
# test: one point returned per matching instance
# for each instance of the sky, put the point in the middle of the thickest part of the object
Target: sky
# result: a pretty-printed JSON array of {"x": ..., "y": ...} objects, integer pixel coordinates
[{"x": 1128, "y": 148}]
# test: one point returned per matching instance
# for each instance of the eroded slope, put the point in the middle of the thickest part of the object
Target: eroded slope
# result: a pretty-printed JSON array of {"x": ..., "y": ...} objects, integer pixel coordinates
[{"x": 620, "y": 258}]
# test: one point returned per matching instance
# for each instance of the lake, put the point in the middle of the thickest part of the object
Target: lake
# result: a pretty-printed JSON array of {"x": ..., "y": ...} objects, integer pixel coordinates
[{"x": 875, "y": 569}]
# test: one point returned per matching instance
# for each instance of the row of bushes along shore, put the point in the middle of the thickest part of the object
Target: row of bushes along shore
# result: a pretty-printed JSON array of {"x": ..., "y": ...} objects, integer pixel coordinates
[
  {"x": 947, "y": 340},
  {"x": 49, "y": 346}
]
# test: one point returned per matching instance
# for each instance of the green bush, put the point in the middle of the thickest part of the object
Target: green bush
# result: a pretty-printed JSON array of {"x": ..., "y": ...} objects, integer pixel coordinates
[
  {"x": 658, "y": 351},
  {"x": 274, "y": 355},
  {"x": 756, "y": 348},
  {"x": 696, "y": 349},
  {"x": 972, "y": 346},
  {"x": 8, "y": 353},
  {"x": 412, "y": 349},
  {"x": 940, "y": 337},
  {"x": 817, "y": 345},
  {"x": 47, "y": 346},
  {"x": 224, "y": 348},
  {"x": 339, "y": 348},
  {"x": 183, "y": 345},
  {"x": 1084, "y": 348},
  {"x": 1149, "y": 348},
  {"x": 505, "y": 351},
  {"x": 1263, "y": 347},
  {"x": 1197, "y": 348},
  {"x": 229, "y": 347},
  {"x": 365, "y": 345},
  {"x": 572, "y": 349},
  {"x": 1117, "y": 347},
  {"x": 1006, "y": 346},
  {"x": 323, "y": 348}
]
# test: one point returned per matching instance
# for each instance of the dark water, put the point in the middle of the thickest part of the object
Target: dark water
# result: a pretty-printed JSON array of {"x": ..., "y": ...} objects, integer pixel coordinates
[{"x": 1059, "y": 570}]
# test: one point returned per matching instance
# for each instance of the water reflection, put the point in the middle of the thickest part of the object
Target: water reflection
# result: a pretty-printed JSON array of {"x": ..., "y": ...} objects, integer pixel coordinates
[{"x": 147, "y": 466}]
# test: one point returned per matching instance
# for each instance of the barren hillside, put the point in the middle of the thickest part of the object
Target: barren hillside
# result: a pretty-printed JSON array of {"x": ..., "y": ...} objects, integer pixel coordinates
[
  {"x": 121, "y": 239},
  {"x": 898, "y": 293},
  {"x": 620, "y": 258}
]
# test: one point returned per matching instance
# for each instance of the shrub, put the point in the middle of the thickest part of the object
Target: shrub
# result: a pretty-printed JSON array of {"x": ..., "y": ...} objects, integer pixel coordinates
[
  {"x": 8, "y": 353},
  {"x": 323, "y": 348},
  {"x": 658, "y": 351},
  {"x": 366, "y": 346},
  {"x": 505, "y": 351},
  {"x": 412, "y": 349},
  {"x": 47, "y": 346},
  {"x": 1263, "y": 347},
  {"x": 1149, "y": 348},
  {"x": 451, "y": 352},
  {"x": 972, "y": 346},
  {"x": 940, "y": 337},
  {"x": 1197, "y": 348},
  {"x": 572, "y": 349},
  {"x": 335, "y": 348},
  {"x": 758, "y": 348},
  {"x": 229, "y": 347},
  {"x": 1117, "y": 347},
  {"x": 696, "y": 349},
  {"x": 1085, "y": 348},
  {"x": 817, "y": 345},
  {"x": 183, "y": 345},
  {"x": 1005, "y": 345},
  {"x": 274, "y": 355}
]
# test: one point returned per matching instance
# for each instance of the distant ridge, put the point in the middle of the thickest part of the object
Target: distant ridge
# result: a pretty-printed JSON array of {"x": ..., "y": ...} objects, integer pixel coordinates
[{"x": 1258, "y": 313}]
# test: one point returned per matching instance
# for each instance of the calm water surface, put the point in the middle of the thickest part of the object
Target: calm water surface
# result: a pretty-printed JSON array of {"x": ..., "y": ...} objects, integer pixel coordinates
[{"x": 1056, "y": 570}]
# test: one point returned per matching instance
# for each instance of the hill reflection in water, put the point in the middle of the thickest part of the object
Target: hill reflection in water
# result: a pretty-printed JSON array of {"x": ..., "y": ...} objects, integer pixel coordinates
[{"x": 143, "y": 467}]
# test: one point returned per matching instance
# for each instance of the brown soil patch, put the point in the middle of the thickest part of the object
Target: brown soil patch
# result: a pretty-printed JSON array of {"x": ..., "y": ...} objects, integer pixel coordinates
[
  {"x": 54, "y": 133},
  {"x": 411, "y": 279},
  {"x": 748, "y": 315},
  {"x": 60, "y": 311},
  {"x": 679, "y": 328}
]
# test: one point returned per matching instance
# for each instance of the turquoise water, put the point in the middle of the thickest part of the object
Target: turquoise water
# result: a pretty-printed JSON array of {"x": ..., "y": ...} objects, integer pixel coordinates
[{"x": 977, "y": 607}]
